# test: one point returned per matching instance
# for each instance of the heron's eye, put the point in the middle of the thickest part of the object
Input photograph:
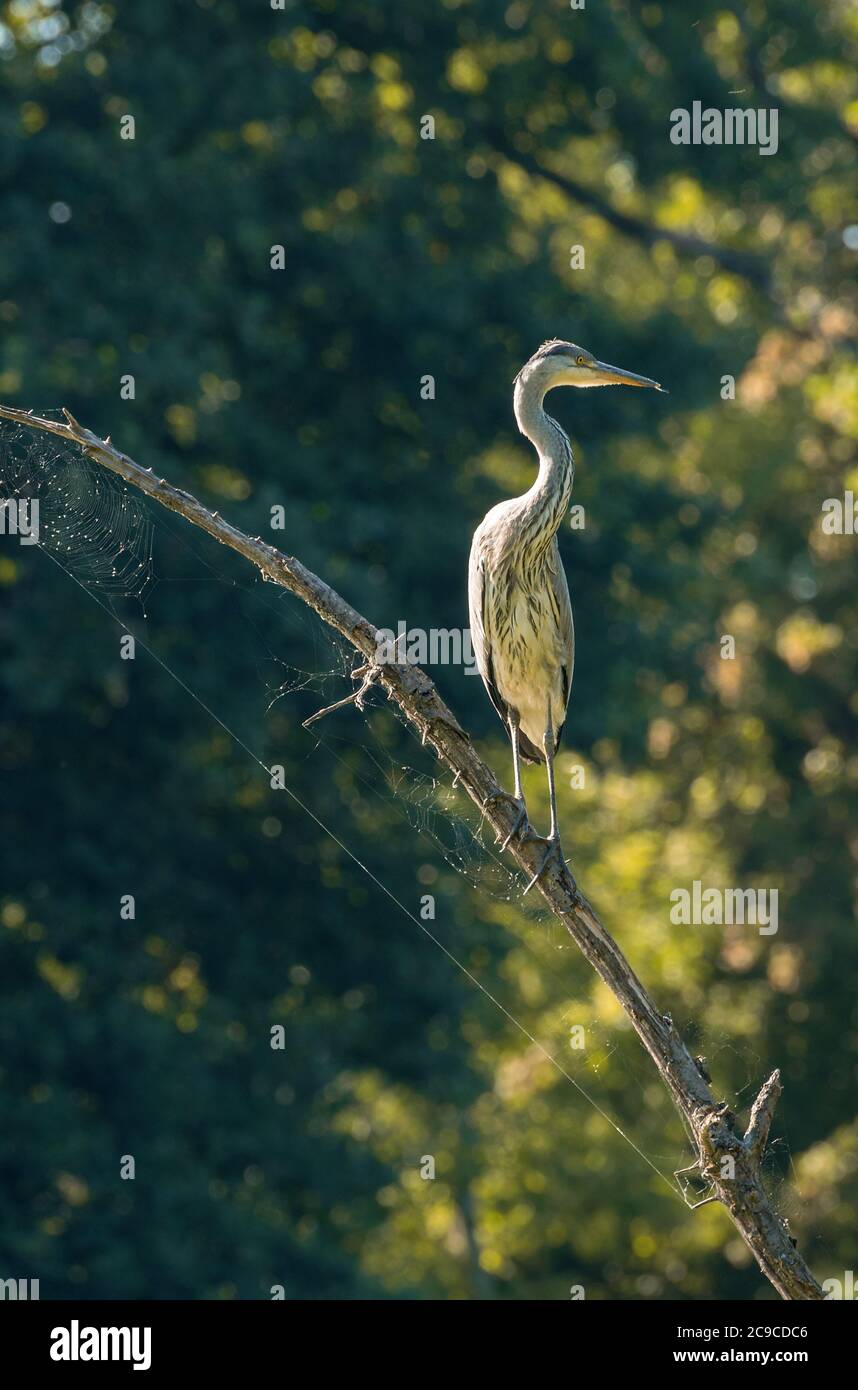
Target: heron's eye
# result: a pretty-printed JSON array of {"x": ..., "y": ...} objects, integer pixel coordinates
[{"x": 581, "y": 361}]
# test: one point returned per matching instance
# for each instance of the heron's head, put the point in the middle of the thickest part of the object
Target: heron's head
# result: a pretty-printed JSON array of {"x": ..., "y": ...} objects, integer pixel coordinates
[{"x": 558, "y": 363}]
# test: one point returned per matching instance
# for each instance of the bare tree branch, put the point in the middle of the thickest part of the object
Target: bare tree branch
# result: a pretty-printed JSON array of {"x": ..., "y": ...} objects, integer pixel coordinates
[
  {"x": 729, "y": 1162},
  {"x": 762, "y": 1114}
]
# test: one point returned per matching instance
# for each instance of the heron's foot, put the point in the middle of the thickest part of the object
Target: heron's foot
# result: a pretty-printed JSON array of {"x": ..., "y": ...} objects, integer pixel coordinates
[
  {"x": 521, "y": 816},
  {"x": 552, "y": 851}
]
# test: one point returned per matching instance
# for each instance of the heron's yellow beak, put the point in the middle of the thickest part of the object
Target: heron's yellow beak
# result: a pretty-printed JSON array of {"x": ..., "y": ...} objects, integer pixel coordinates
[{"x": 616, "y": 376}]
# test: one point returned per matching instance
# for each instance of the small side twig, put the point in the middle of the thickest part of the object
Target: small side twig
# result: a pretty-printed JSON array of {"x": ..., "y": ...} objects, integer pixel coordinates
[
  {"x": 762, "y": 1113},
  {"x": 370, "y": 672}
]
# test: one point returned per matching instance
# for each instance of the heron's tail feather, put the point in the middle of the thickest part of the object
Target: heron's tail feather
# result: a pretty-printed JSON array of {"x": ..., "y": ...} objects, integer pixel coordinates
[{"x": 529, "y": 751}]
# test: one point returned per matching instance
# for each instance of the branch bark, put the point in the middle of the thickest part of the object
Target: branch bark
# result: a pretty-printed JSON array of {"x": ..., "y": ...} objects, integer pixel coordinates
[{"x": 730, "y": 1162}]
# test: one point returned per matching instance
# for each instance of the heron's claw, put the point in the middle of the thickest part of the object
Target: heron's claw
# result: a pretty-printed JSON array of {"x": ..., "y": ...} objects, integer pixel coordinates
[
  {"x": 552, "y": 847},
  {"x": 500, "y": 795},
  {"x": 521, "y": 817}
]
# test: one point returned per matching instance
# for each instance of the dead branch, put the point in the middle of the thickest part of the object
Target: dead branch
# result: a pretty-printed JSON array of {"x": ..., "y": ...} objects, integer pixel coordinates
[
  {"x": 729, "y": 1162},
  {"x": 369, "y": 674}
]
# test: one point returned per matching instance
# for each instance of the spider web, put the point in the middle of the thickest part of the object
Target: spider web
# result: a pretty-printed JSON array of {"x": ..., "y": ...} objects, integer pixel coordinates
[
  {"x": 88, "y": 519},
  {"x": 106, "y": 537}
]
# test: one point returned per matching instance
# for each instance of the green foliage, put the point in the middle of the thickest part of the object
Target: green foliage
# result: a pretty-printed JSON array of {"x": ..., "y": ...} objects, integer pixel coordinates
[{"x": 404, "y": 257}]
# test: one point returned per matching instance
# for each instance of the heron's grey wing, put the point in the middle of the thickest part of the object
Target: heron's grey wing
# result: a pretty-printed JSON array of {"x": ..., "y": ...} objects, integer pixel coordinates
[
  {"x": 480, "y": 619},
  {"x": 562, "y": 605}
]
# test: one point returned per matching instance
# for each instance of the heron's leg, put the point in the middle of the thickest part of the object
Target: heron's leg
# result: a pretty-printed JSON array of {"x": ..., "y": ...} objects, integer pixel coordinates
[
  {"x": 517, "y": 799},
  {"x": 552, "y": 843},
  {"x": 516, "y": 757},
  {"x": 548, "y": 747}
]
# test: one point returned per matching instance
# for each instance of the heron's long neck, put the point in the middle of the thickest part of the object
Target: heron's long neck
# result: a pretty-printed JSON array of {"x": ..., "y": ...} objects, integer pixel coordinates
[{"x": 545, "y": 504}]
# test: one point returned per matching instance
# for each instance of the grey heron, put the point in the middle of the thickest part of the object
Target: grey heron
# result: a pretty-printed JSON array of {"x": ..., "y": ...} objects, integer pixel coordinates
[{"x": 520, "y": 613}]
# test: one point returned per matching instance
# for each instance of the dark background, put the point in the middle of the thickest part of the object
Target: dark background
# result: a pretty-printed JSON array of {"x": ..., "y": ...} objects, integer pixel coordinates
[{"x": 255, "y": 387}]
